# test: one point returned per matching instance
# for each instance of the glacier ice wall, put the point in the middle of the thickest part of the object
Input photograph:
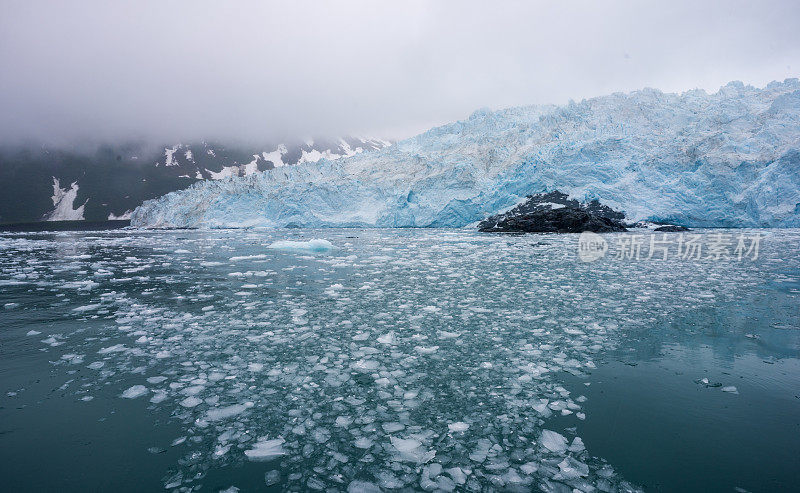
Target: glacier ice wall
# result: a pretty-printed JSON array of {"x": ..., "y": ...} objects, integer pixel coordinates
[{"x": 730, "y": 159}]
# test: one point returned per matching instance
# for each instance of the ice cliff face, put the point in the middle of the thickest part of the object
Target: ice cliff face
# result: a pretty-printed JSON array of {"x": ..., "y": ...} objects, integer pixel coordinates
[{"x": 726, "y": 159}]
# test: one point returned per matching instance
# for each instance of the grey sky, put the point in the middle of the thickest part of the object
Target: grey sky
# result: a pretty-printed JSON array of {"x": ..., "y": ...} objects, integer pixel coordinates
[{"x": 182, "y": 70}]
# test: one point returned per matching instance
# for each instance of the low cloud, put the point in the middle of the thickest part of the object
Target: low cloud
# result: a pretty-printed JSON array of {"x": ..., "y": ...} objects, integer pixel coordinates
[{"x": 259, "y": 71}]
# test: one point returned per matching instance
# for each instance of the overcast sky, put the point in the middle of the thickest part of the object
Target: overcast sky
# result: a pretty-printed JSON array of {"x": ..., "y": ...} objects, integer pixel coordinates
[{"x": 255, "y": 71}]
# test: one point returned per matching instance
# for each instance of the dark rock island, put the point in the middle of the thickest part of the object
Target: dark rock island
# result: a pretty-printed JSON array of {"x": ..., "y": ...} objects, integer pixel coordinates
[
  {"x": 554, "y": 212},
  {"x": 671, "y": 228}
]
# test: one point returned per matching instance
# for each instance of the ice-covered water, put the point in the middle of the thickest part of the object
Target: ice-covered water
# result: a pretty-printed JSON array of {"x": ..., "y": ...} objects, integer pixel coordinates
[{"x": 417, "y": 359}]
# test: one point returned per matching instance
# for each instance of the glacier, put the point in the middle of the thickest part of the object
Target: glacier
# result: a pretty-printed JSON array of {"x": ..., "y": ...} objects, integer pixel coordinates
[{"x": 727, "y": 159}]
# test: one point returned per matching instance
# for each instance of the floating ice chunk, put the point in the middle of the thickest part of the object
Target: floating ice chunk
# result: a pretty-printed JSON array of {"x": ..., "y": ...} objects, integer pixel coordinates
[
  {"x": 481, "y": 451},
  {"x": 458, "y": 426},
  {"x": 9, "y": 306},
  {"x": 218, "y": 413},
  {"x": 96, "y": 365},
  {"x": 388, "y": 480},
  {"x": 426, "y": 349},
  {"x": 80, "y": 285},
  {"x": 388, "y": 338},
  {"x": 248, "y": 257},
  {"x": 211, "y": 264},
  {"x": 572, "y": 468},
  {"x": 411, "y": 450},
  {"x": 321, "y": 435},
  {"x": 432, "y": 470},
  {"x": 553, "y": 441},
  {"x": 358, "y": 486},
  {"x": 405, "y": 444},
  {"x": 272, "y": 477},
  {"x": 363, "y": 443},
  {"x": 159, "y": 396},
  {"x": 443, "y": 483},
  {"x": 86, "y": 308},
  {"x": 134, "y": 392},
  {"x": 266, "y": 450},
  {"x": 116, "y": 348},
  {"x": 443, "y": 334},
  {"x": 365, "y": 365},
  {"x": 731, "y": 389},
  {"x": 457, "y": 474},
  {"x": 343, "y": 421},
  {"x": 230, "y": 489},
  {"x": 191, "y": 401},
  {"x": 577, "y": 445},
  {"x": 315, "y": 245},
  {"x": 193, "y": 390},
  {"x": 156, "y": 380},
  {"x": 221, "y": 450},
  {"x": 75, "y": 359},
  {"x": 393, "y": 427},
  {"x": 52, "y": 341},
  {"x": 33, "y": 333}
]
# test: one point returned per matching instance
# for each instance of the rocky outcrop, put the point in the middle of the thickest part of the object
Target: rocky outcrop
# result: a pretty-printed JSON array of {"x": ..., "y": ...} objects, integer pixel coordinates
[
  {"x": 671, "y": 228},
  {"x": 554, "y": 212}
]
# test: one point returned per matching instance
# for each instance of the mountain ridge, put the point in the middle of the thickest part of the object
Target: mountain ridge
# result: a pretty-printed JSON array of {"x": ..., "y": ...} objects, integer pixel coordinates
[{"x": 109, "y": 181}]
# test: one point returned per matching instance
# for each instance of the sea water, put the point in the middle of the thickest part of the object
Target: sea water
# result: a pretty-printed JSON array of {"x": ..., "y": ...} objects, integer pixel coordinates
[{"x": 368, "y": 360}]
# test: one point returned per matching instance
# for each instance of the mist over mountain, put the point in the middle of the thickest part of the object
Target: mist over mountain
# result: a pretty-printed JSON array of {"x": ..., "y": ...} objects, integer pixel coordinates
[
  {"x": 108, "y": 181},
  {"x": 167, "y": 72}
]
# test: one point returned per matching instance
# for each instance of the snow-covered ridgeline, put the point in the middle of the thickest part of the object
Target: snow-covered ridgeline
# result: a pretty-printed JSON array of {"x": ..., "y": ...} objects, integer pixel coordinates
[
  {"x": 310, "y": 152},
  {"x": 731, "y": 158}
]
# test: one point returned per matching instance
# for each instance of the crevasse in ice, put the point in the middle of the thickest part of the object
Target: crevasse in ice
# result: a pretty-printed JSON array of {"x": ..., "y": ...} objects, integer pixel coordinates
[{"x": 731, "y": 158}]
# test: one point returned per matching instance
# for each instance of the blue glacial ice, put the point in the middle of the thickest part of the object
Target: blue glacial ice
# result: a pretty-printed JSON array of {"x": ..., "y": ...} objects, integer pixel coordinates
[{"x": 730, "y": 159}]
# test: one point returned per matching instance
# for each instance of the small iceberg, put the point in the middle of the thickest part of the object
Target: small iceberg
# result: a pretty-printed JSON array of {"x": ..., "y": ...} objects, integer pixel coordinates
[
  {"x": 134, "y": 392},
  {"x": 553, "y": 441},
  {"x": 315, "y": 245},
  {"x": 458, "y": 426},
  {"x": 265, "y": 450}
]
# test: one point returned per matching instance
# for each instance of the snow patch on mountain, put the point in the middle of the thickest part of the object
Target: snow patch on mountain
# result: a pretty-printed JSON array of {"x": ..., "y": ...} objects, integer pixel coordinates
[
  {"x": 728, "y": 159},
  {"x": 225, "y": 172},
  {"x": 169, "y": 153},
  {"x": 276, "y": 156},
  {"x": 124, "y": 216},
  {"x": 63, "y": 201}
]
